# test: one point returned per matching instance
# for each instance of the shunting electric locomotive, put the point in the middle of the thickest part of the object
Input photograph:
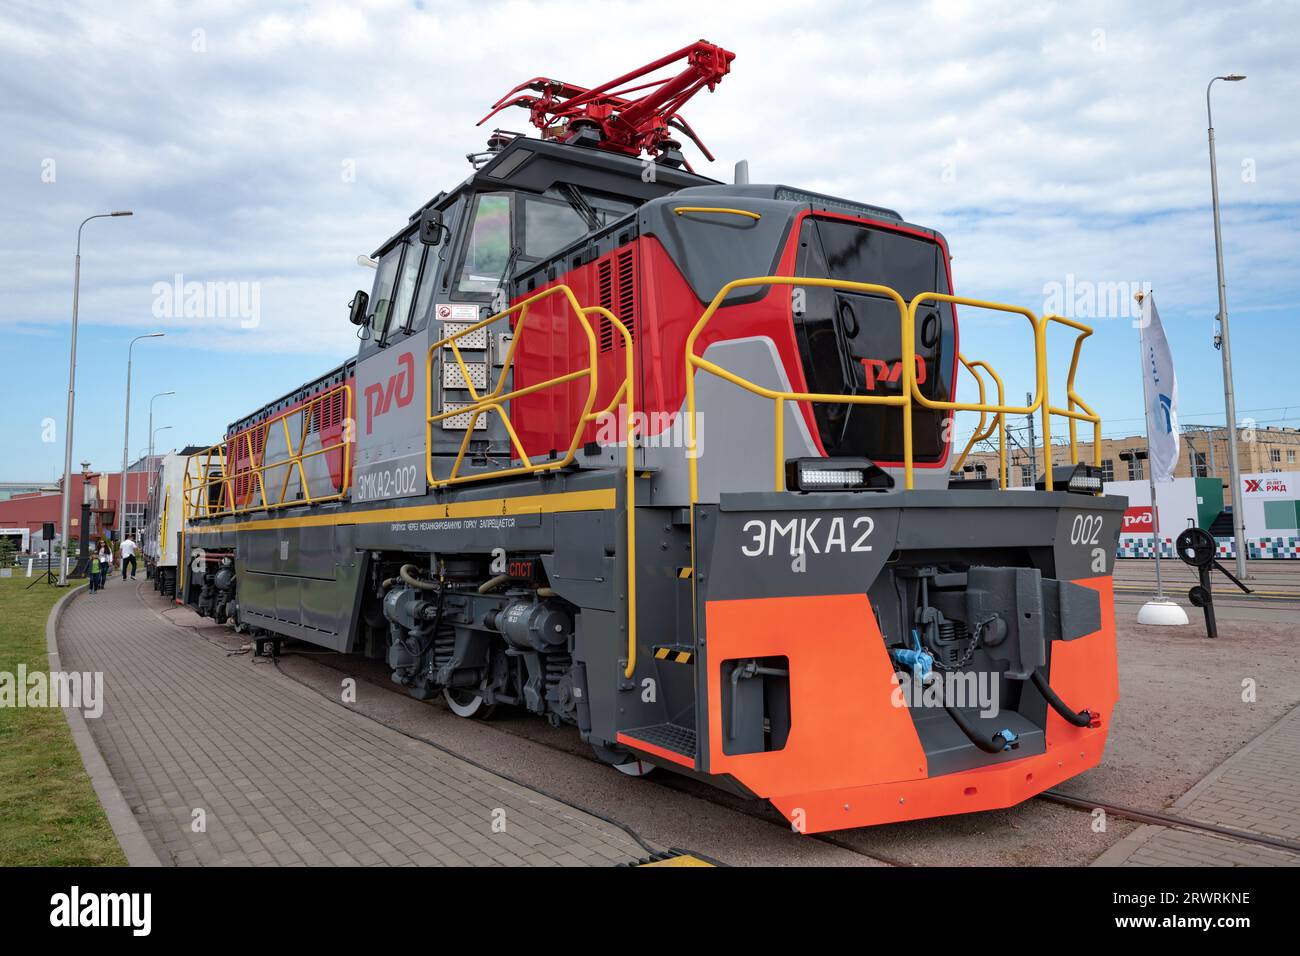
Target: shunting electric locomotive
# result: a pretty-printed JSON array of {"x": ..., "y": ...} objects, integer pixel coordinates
[{"x": 671, "y": 460}]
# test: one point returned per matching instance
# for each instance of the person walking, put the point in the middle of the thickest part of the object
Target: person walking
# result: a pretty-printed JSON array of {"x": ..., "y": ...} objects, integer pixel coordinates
[
  {"x": 94, "y": 571},
  {"x": 105, "y": 563},
  {"x": 128, "y": 556}
]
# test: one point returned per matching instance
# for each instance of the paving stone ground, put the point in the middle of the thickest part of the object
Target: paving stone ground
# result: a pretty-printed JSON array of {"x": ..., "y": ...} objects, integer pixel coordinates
[
  {"x": 1256, "y": 789},
  {"x": 286, "y": 776}
]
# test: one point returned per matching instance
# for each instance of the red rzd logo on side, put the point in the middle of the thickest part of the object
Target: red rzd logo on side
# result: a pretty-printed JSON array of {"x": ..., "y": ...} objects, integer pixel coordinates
[
  {"x": 399, "y": 390},
  {"x": 878, "y": 370}
]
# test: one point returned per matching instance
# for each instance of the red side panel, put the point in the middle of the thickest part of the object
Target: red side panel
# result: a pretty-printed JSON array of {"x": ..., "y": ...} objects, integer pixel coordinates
[{"x": 640, "y": 281}]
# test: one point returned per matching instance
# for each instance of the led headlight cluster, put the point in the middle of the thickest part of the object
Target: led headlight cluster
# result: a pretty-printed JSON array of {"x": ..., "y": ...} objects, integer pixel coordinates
[
  {"x": 1078, "y": 479},
  {"x": 835, "y": 474}
]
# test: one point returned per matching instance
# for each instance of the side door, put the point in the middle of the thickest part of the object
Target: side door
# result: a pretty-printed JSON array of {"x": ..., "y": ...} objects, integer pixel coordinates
[{"x": 389, "y": 398}]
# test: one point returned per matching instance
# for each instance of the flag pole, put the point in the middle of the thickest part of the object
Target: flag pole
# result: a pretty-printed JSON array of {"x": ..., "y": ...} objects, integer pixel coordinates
[
  {"x": 1151, "y": 472},
  {"x": 1159, "y": 610}
]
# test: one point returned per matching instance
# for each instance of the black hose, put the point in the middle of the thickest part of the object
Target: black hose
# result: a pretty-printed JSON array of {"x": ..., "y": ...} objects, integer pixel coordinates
[
  {"x": 990, "y": 745},
  {"x": 1081, "y": 718}
]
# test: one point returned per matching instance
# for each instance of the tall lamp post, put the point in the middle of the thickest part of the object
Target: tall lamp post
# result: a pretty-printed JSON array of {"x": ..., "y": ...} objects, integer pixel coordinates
[
  {"x": 152, "y": 435},
  {"x": 149, "y": 457},
  {"x": 126, "y": 437},
  {"x": 64, "y": 527},
  {"x": 1229, "y": 399}
]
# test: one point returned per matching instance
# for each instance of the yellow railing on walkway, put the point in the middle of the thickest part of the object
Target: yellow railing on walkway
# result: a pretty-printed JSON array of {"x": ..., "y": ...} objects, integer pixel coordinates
[
  {"x": 985, "y": 427},
  {"x": 234, "y": 472},
  {"x": 1075, "y": 411},
  {"x": 162, "y": 524},
  {"x": 495, "y": 402}
]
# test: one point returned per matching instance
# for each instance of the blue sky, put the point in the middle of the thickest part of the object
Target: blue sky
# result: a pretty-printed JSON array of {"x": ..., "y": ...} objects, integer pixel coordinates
[{"x": 1057, "y": 145}]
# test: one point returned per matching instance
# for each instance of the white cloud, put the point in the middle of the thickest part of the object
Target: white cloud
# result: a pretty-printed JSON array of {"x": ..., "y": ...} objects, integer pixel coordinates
[{"x": 1072, "y": 135}]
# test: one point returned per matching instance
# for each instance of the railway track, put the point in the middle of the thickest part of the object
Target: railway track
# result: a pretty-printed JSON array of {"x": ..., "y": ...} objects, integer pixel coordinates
[
  {"x": 762, "y": 812},
  {"x": 1222, "y": 596},
  {"x": 1170, "y": 821}
]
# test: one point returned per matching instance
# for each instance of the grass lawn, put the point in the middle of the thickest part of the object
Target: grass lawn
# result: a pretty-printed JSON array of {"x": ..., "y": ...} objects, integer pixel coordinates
[{"x": 49, "y": 814}]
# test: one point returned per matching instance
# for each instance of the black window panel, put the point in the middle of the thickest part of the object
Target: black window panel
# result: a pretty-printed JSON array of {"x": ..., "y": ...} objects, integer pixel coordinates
[{"x": 850, "y": 342}]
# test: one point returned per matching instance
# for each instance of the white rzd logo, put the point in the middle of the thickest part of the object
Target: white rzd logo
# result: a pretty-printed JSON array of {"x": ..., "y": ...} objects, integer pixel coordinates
[{"x": 798, "y": 536}]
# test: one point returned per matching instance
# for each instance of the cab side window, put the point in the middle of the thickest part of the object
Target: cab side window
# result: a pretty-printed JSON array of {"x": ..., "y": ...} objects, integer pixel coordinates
[
  {"x": 399, "y": 268},
  {"x": 381, "y": 300},
  {"x": 408, "y": 272},
  {"x": 487, "y": 247}
]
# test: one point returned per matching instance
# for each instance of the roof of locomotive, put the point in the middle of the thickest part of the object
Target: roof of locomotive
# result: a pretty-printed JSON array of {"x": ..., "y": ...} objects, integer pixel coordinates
[{"x": 535, "y": 165}]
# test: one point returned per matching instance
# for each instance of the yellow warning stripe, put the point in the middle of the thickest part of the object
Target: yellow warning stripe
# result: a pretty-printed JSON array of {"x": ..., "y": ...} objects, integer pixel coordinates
[
  {"x": 684, "y": 860},
  {"x": 685, "y": 573},
  {"x": 673, "y": 656},
  {"x": 603, "y": 499}
]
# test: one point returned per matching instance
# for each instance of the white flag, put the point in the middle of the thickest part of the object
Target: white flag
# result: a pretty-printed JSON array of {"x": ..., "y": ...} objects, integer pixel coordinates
[{"x": 1160, "y": 388}]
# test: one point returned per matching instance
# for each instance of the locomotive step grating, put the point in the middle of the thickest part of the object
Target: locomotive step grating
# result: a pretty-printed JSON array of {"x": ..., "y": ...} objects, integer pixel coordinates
[{"x": 678, "y": 739}]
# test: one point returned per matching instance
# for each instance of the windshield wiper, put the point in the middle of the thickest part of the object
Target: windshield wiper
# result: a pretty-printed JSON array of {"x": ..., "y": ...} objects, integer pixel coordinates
[{"x": 578, "y": 203}]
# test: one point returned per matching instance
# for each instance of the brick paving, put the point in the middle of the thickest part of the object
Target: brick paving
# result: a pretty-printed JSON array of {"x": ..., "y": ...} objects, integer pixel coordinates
[
  {"x": 285, "y": 776},
  {"x": 1256, "y": 789}
]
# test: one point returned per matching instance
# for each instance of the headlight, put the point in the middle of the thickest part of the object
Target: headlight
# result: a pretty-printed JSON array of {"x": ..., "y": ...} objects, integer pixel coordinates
[
  {"x": 835, "y": 474},
  {"x": 1077, "y": 479}
]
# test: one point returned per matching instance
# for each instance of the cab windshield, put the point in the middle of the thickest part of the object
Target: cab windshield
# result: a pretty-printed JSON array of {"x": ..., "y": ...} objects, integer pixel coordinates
[{"x": 497, "y": 243}]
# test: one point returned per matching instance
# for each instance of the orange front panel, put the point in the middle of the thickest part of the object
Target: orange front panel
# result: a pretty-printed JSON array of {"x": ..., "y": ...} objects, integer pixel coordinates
[
  {"x": 845, "y": 730},
  {"x": 853, "y": 758},
  {"x": 1085, "y": 672}
]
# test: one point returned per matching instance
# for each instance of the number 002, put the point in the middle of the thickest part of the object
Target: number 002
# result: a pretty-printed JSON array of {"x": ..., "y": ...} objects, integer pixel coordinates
[{"x": 1085, "y": 529}]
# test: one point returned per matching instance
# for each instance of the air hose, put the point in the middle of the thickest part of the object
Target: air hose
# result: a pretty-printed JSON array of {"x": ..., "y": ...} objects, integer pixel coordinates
[
  {"x": 921, "y": 663},
  {"x": 1081, "y": 718},
  {"x": 408, "y": 574},
  {"x": 1003, "y": 740}
]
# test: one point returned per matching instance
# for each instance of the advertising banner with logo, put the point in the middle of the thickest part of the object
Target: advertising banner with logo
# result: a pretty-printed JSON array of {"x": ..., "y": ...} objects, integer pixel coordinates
[{"x": 1270, "y": 505}]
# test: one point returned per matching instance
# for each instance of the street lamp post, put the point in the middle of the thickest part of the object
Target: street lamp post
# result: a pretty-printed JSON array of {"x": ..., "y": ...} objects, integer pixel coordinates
[
  {"x": 1229, "y": 399},
  {"x": 126, "y": 437},
  {"x": 152, "y": 435},
  {"x": 64, "y": 528},
  {"x": 149, "y": 457}
]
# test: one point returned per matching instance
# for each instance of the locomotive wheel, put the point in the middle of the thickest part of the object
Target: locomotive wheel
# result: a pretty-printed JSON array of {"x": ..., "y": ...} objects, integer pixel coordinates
[
  {"x": 623, "y": 762},
  {"x": 634, "y": 767},
  {"x": 466, "y": 703}
]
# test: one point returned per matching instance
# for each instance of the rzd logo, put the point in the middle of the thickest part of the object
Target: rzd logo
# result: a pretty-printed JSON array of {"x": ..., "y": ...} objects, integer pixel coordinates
[
  {"x": 878, "y": 370},
  {"x": 400, "y": 388},
  {"x": 1138, "y": 520},
  {"x": 1267, "y": 485}
]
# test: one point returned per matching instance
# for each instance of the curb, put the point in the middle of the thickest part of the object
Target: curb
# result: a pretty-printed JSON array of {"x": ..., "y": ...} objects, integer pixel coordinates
[
  {"x": 1248, "y": 747},
  {"x": 1121, "y": 851},
  {"x": 126, "y": 828}
]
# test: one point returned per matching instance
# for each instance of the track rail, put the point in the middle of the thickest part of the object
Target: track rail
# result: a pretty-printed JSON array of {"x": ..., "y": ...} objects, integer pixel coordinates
[{"x": 1156, "y": 818}]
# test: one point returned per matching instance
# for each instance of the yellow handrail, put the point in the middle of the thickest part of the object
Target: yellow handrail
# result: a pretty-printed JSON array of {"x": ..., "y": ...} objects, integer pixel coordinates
[
  {"x": 629, "y": 474},
  {"x": 1002, "y": 423},
  {"x": 723, "y": 210},
  {"x": 1077, "y": 410},
  {"x": 162, "y": 524},
  {"x": 694, "y": 361},
  {"x": 495, "y": 400},
  {"x": 981, "y": 432},
  {"x": 1072, "y": 397},
  {"x": 200, "y": 476}
]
